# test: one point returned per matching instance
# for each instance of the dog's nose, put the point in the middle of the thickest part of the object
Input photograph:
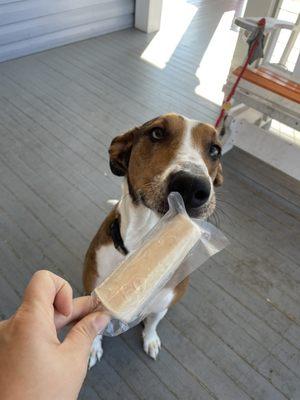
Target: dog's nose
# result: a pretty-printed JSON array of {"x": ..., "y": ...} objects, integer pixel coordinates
[{"x": 194, "y": 190}]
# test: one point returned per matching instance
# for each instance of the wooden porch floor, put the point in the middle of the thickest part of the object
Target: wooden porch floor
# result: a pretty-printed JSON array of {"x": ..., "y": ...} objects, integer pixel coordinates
[{"x": 236, "y": 334}]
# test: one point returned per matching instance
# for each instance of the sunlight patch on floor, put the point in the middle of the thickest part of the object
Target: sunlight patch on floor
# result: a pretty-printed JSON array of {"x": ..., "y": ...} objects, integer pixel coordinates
[
  {"x": 286, "y": 132},
  {"x": 215, "y": 64},
  {"x": 176, "y": 18}
]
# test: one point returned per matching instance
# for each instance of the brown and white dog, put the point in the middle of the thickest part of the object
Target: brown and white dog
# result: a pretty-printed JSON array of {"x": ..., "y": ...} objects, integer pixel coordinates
[{"x": 169, "y": 153}]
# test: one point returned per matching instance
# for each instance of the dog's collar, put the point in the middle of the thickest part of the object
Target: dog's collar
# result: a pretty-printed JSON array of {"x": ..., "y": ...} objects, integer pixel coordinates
[{"x": 117, "y": 238}]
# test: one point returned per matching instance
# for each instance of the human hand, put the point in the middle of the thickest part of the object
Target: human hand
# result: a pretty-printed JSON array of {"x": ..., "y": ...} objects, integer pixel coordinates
[{"x": 34, "y": 364}]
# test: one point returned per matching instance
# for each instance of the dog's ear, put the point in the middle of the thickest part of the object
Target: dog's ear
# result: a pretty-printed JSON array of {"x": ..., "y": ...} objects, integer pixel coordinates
[
  {"x": 119, "y": 152},
  {"x": 218, "y": 181}
]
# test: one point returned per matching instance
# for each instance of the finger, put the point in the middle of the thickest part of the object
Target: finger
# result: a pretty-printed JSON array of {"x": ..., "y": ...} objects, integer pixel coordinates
[
  {"x": 63, "y": 301},
  {"x": 80, "y": 308},
  {"x": 81, "y": 336},
  {"x": 43, "y": 288}
]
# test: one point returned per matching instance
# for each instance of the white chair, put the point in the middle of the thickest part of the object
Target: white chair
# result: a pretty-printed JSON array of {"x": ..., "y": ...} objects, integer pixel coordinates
[{"x": 267, "y": 90}]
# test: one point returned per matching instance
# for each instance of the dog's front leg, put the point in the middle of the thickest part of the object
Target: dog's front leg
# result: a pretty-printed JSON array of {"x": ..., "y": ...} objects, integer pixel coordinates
[
  {"x": 152, "y": 343},
  {"x": 96, "y": 351}
]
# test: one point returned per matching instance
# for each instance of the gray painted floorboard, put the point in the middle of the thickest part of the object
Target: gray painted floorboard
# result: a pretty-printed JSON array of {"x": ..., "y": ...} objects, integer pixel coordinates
[{"x": 236, "y": 334}]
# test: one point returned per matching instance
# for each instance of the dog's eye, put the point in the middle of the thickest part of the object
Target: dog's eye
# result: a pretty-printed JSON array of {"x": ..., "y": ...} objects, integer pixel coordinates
[
  {"x": 157, "y": 134},
  {"x": 215, "y": 151}
]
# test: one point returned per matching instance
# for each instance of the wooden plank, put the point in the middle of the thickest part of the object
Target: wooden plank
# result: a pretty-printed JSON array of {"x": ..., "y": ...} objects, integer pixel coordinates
[
  {"x": 80, "y": 99},
  {"x": 44, "y": 154},
  {"x": 269, "y": 209},
  {"x": 252, "y": 326},
  {"x": 280, "y": 239},
  {"x": 118, "y": 98},
  {"x": 10, "y": 300},
  {"x": 222, "y": 356},
  {"x": 183, "y": 86},
  {"x": 65, "y": 146},
  {"x": 28, "y": 229},
  {"x": 108, "y": 383},
  {"x": 43, "y": 91},
  {"x": 88, "y": 393},
  {"x": 12, "y": 269},
  {"x": 54, "y": 204},
  {"x": 73, "y": 203},
  {"x": 293, "y": 334},
  {"x": 61, "y": 230},
  {"x": 240, "y": 340},
  {"x": 268, "y": 246},
  {"x": 140, "y": 79},
  {"x": 224, "y": 327},
  {"x": 198, "y": 364},
  {"x": 170, "y": 371},
  {"x": 235, "y": 264},
  {"x": 178, "y": 68},
  {"x": 275, "y": 181},
  {"x": 45, "y": 122},
  {"x": 231, "y": 284},
  {"x": 283, "y": 257},
  {"x": 271, "y": 367},
  {"x": 59, "y": 257},
  {"x": 136, "y": 373},
  {"x": 48, "y": 106},
  {"x": 286, "y": 252}
]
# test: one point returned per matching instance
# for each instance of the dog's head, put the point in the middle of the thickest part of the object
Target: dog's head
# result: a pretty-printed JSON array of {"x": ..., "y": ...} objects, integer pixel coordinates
[{"x": 170, "y": 154}]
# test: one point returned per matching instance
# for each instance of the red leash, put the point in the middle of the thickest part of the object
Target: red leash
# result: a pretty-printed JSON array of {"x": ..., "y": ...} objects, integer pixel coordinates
[{"x": 226, "y": 104}]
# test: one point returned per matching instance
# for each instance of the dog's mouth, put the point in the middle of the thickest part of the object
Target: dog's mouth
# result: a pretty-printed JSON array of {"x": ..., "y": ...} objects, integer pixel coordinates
[
  {"x": 161, "y": 206},
  {"x": 203, "y": 211},
  {"x": 195, "y": 189}
]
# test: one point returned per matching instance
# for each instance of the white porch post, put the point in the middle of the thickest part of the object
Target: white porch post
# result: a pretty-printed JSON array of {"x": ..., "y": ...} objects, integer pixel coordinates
[
  {"x": 296, "y": 72},
  {"x": 148, "y": 15},
  {"x": 291, "y": 42}
]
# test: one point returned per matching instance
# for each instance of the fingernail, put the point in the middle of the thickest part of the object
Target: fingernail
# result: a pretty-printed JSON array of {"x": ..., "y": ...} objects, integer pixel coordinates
[{"x": 100, "y": 321}]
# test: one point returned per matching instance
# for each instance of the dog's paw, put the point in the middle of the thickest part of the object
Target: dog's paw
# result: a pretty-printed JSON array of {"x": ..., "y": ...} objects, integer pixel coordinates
[
  {"x": 96, "y": 351},
  {"x": 152, "y": 344}
]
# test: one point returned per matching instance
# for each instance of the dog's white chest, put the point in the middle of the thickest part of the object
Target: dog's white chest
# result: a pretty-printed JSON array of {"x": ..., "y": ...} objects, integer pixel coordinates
[
  {"x": 136, "y": 222},
  {"x": 108, "y": 258}
]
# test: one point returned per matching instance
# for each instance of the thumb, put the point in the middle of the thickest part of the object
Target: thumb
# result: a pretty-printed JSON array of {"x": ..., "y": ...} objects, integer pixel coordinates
[{"x": 81, "y": 336}]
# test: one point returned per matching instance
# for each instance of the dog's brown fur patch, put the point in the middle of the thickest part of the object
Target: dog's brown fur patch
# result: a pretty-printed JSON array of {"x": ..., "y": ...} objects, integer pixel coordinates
[
  {"x": 180, "y": 290},
  {"x": 102, "y": 237}
]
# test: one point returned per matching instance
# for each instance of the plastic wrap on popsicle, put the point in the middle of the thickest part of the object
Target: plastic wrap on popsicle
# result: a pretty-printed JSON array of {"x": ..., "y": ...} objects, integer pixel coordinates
[{"x": 173, "y": 249}]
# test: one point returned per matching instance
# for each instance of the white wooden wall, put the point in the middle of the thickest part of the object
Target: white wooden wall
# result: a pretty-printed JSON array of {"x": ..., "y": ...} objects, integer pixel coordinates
[{"x": 29, "y": 26}]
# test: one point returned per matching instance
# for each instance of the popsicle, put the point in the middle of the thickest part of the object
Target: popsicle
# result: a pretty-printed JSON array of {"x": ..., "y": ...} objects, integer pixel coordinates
[{"x": 138, "y": 278}]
